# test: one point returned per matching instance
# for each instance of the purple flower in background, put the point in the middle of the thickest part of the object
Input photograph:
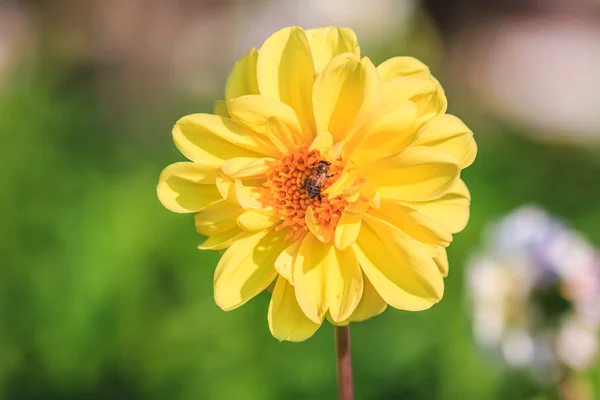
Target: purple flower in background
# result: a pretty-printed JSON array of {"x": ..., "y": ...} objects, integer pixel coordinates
[{"x": 534, "y": 291}]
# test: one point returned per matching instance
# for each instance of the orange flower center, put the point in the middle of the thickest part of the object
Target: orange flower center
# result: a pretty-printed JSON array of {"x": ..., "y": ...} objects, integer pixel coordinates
[{"x": 291, "y": 180}]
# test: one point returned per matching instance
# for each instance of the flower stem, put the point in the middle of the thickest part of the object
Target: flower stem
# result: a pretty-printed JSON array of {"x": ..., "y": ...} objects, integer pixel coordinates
[{"x": 344, "y": 363}]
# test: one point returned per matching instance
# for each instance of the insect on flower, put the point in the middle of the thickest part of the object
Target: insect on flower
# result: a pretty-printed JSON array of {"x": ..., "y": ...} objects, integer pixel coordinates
[{"x": 314, "y": 181}]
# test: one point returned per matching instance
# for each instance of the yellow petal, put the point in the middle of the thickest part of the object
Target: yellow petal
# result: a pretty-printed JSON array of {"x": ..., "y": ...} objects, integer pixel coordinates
[
  {"x": 286, "y": 319},
  {"x": 412, "y": 222},
  {"x": 426, "y": 93},
  {"x": 346, "y": 180},
  {"x": 226, "y": 187},
  {"x": 222, "y": 240},
  {"x": 186, "y": 187},
  {"x": 401, "y": 270},
  {"x": 242, "y": 79},
  {"x": 402, "y": 66},
  {"x": 441, "y": 260},
  {"x": 254, "y": 111},
  {"x": 328, "y": 42},
  {"x": 220, "y": 108},
  {"x": 452, "y": 210},
  {"x": 347, "y": 230},
  {"x": 416, "y": 174},
  {"x": 246, "y": 167},
  {"x": 321, "y": 232},
  {"x": 385, "y": 131},
  {"x": 285, "y": 262},
  {"x": 449, "y": 134},
  {"x": 246, "y": 268},
  {"x": 346, "y": 87},
  {"x": 217, "y": 218},
  {"x": 371, "y": 304},
  {"x": 285, "y": 71},
  {"x": 256, "y": 220},
  {"x": 344, "y": 283},
  {"x": 248, "y": 197},
  {"x": 323, "y": 142},
  {"x": 281, "y": 136},
  {"x": 334, "y": 151},
  {"x": 310, "y": 277},
  {"x": 211, "y": 139}
]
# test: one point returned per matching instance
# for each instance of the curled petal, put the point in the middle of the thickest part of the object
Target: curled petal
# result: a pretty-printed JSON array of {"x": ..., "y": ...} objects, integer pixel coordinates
[
  {"x": 326, "y": 43},
  {"x": 217, "y": 218},
  {"x": 256, "y": 220},
  {"x": 242, "y": 79},
  {"x": 222, "y": 240},
  {"x": 344, "y": 283},
  {"x": 402, "y": 66},
  {"x": 285, "y": 71},
  {"x": 210, "y": 140},
  {"x": 254, "y": 111},
  {"x": 452, "y": 210},
  {"x": 286, "y": 319},
  {"x": 371, "y": 304},
  {"x": 186, "y": 187},
  {"x": 417, "y": 225},
  {"x": 346, "y": 87},
  {"x": 310, "y": 277},
  {"x": 246, "y": 268},
  {"x": 448, "y": 133},
  {"x": 285, "y": 262},
  {"x": 416, "y": 174},
  {"x": 385, "y": 131},
  {"x": 280, "y": 135},
  {"x": 401, "y": 270},
  {"x": 226, "y": 187},
  {"x": 246, "y": 167},
  {"x": 426, "y": 93},
  {"x": 347, "y": 230}
]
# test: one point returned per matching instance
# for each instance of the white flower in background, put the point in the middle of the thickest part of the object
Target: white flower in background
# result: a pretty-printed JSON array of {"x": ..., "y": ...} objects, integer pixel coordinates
[{"x": 534, "y": 290}]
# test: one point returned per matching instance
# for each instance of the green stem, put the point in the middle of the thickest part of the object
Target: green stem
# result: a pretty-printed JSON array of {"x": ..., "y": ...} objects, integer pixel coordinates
[{"x": 344, "y": 363}]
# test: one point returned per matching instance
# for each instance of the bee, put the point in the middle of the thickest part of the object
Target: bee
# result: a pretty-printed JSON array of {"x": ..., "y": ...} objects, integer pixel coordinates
[{"x": 314, "y": 181}]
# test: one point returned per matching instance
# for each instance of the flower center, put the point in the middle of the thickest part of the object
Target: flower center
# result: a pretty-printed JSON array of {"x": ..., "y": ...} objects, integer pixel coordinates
[{"x": 296, "y": 182}]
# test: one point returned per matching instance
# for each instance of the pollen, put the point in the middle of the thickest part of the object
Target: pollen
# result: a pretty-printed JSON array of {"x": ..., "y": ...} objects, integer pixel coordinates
[{"x": 289, "y": 198}]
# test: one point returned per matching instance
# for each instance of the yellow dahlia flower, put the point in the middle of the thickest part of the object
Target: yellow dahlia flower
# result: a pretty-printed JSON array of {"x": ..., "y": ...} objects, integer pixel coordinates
[{"x": 369, "y": 227}]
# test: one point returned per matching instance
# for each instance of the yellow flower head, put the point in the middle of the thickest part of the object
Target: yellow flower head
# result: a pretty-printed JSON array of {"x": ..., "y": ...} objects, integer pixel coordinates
[{"x": 335, "y": 180}]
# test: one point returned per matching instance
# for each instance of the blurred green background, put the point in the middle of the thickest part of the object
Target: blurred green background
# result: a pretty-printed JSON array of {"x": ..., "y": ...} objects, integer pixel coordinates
[{"x": 103, "y": 294}]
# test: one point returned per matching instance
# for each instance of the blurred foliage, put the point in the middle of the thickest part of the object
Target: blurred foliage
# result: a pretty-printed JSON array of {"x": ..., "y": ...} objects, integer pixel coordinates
[{"x": 103, "y": 294}]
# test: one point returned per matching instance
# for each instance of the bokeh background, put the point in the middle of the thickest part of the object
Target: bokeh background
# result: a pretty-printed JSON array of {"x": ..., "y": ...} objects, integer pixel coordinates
[{"x": 103, "y": 294}]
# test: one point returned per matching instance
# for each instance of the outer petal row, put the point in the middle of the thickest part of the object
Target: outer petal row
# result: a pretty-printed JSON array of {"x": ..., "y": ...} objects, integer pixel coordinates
[
  {"x": 326, "y": 279},
  {"x": 326, "y": 43},
  {"x": 246, "y": 268},
  {"x": 211, "y": 140},
  {"x": 346, "y": 87},
  {"x": 411, "y": 280},
  {"x": 416, "y": 174},
  {"x": 285, "y": 70},
  {"x": 448, "y": 133},
  {"x": 186, "y": 187},
  {"x": 408, "y": 78}
]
